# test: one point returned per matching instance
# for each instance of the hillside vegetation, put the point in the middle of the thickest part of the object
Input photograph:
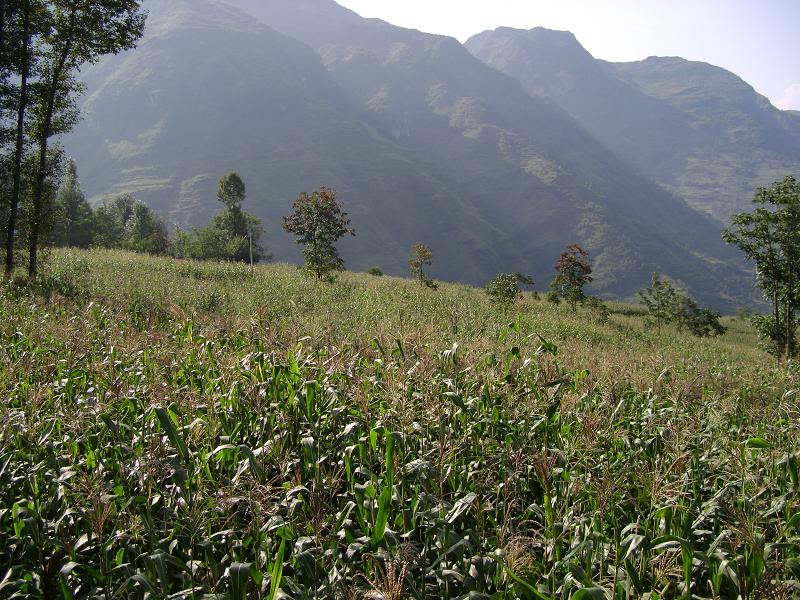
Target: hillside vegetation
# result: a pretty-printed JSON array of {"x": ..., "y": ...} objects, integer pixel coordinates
[
  {"x": 189, "y": 430},
  {"x": 421, "y": 140}
]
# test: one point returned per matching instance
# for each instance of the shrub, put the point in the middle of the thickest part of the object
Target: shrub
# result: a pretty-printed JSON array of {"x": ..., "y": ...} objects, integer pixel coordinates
[
  {"x": 701, "y": 322},
  {"x": 505, "y": 288}
]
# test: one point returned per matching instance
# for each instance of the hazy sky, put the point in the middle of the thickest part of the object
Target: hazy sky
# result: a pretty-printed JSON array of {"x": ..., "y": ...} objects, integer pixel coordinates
[{"x": 759, "y": 40}]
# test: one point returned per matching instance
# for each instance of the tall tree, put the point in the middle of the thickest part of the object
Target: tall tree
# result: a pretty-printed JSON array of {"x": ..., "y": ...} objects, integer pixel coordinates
[
  {"x": 421, "y": 256},
  {"x": 238, "y": 230},
  {"x": 74, "y": 219},
  {"x": 233, "y": 233},
  {"x": 21, "y": 60},
  {"x": 770, "y": 237},
  {"x": 318, "y": 221},
  {"x": 80, "y": 32},
  {"x": 573, "y": 272},
  {"x": 661, "y": 299}
]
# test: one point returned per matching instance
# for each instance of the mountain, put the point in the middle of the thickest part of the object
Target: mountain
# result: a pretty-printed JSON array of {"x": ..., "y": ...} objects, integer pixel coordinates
[
  {"x": 696, "y": 129},
  {"x": 422, "y": 140},
  {"x": 209, "y": 90}
]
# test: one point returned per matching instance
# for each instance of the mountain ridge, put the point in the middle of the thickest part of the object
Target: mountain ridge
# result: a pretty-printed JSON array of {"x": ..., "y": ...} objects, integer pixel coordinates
[
  {"x": 422, "y": 140},
  {"x": 698, "y": 130}
]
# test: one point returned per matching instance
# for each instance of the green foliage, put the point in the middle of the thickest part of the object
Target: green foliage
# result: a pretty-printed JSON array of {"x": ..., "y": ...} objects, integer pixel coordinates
[
  {"x": 421, "y": 256},
  {"x": 770, "y": 237},
  {"x": 701, "y": 322},
  {"x": 73, "y": 223},
  {"x": 597, "y": 308},
  {"x": 52, "y": 40},
  {"x": 231, "y": 191},
  {"x": 375, "y": 271},
  {"x": 772, "y": 333},
  {"x": 318, "y": 221},
  {"x": 233, "y": 234},
  {"x": 573, "y": 272},
  {"x": 665, "y": 304},
  {"x": 661, "y": 299},
  {"x": 309, "y": 440},
  {"x": 65, "y": 276},
  {"x": 504, "y": 289},
  {"x": 127, "y": 223}
]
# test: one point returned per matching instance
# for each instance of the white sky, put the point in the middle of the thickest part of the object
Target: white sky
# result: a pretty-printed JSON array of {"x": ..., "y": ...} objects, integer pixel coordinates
[{"x": 759, "y": 40}]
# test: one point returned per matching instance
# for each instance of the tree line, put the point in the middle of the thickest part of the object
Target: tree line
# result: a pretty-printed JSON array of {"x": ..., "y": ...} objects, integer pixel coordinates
[
  {"x": 43, "y": 44},
  {"x": 318, "y": 221},
  {"x": 127, "y": 223}
]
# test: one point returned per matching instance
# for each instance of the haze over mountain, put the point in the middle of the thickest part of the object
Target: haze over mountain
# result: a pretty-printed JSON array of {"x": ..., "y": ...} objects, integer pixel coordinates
[
  {"x": 422, "y": 141},
  {"x": 698, "y": 130}
]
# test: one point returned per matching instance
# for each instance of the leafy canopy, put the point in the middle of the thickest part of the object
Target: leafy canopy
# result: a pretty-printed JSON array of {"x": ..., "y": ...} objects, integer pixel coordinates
[
  {"x": 573, "y": 272},
  {"x": 769, "y": 235},
  {"x": 232, "y": 235},
  {"x": 421, "y": 256},
  {"x": 666, "y": 304},
  {"x": 318, "y": 222},
  {"x": 504, "y": 289}
]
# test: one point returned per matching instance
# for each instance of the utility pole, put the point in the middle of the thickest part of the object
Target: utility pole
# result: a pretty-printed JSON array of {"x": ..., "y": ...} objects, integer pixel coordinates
[{"x": 250, "y": 239}]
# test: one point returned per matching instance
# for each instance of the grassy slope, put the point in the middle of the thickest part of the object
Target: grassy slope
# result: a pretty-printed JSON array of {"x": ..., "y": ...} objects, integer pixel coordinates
[
  {"x": 174, "y": 412},
  {"x": 360, "y": 308}
]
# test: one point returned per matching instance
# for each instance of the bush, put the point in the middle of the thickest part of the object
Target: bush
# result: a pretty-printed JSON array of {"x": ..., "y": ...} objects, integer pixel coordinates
[
  {"x": 375, "y": 271},
  {"x": 701, "y": 322},
  {"x": 773, "y": 334},
  {"x": 553, "y": 297},
  {"x": 666, "y": 304}
]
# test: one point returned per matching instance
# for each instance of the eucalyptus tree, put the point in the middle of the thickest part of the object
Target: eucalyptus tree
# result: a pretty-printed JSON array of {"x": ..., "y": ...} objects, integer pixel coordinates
[
  {"x": 23, "y": 23},
  {"x": 79, "y": 32}
]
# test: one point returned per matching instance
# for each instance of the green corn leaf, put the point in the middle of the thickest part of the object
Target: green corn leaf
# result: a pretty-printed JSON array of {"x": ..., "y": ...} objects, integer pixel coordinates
[
  {"x": 277, "y": 573},
  {"x": 169, "y": 428},
  {"x": 240, "y": 578},
  {"x": 593, "y": 593},
  {"x": 757, "y": 442}
]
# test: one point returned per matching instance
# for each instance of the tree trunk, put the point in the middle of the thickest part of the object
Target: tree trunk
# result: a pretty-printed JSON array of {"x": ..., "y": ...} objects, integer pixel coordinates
[
  {"x": 776, "y": 307},
  {"x": 788, "y": 330},
  {"x": 19, "y": 148},
  {"x": 2, "y": 32},
  {"x": 41, "y": 175}
]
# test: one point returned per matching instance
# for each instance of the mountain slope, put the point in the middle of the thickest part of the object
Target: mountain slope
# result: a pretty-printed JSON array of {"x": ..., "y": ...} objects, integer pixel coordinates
[
  {"x": 531, "y": 169},
  {"x": 696, "y": 129},
  {"x": 209, "y": 91},
  {"x": 422, "y": 140}
]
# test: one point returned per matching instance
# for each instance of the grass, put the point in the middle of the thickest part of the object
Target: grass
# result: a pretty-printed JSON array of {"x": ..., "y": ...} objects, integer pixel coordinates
[{"x": 184, "y": 430}]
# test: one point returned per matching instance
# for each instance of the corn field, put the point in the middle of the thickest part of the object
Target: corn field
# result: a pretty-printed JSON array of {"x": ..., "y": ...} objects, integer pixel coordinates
[{"x": 179, "y": 453}]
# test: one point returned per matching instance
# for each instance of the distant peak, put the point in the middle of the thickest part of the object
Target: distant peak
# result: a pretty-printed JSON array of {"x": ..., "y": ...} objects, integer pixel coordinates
[
  {"x": 539, "y": 40},
  {"x": 553, "y": 33}
]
